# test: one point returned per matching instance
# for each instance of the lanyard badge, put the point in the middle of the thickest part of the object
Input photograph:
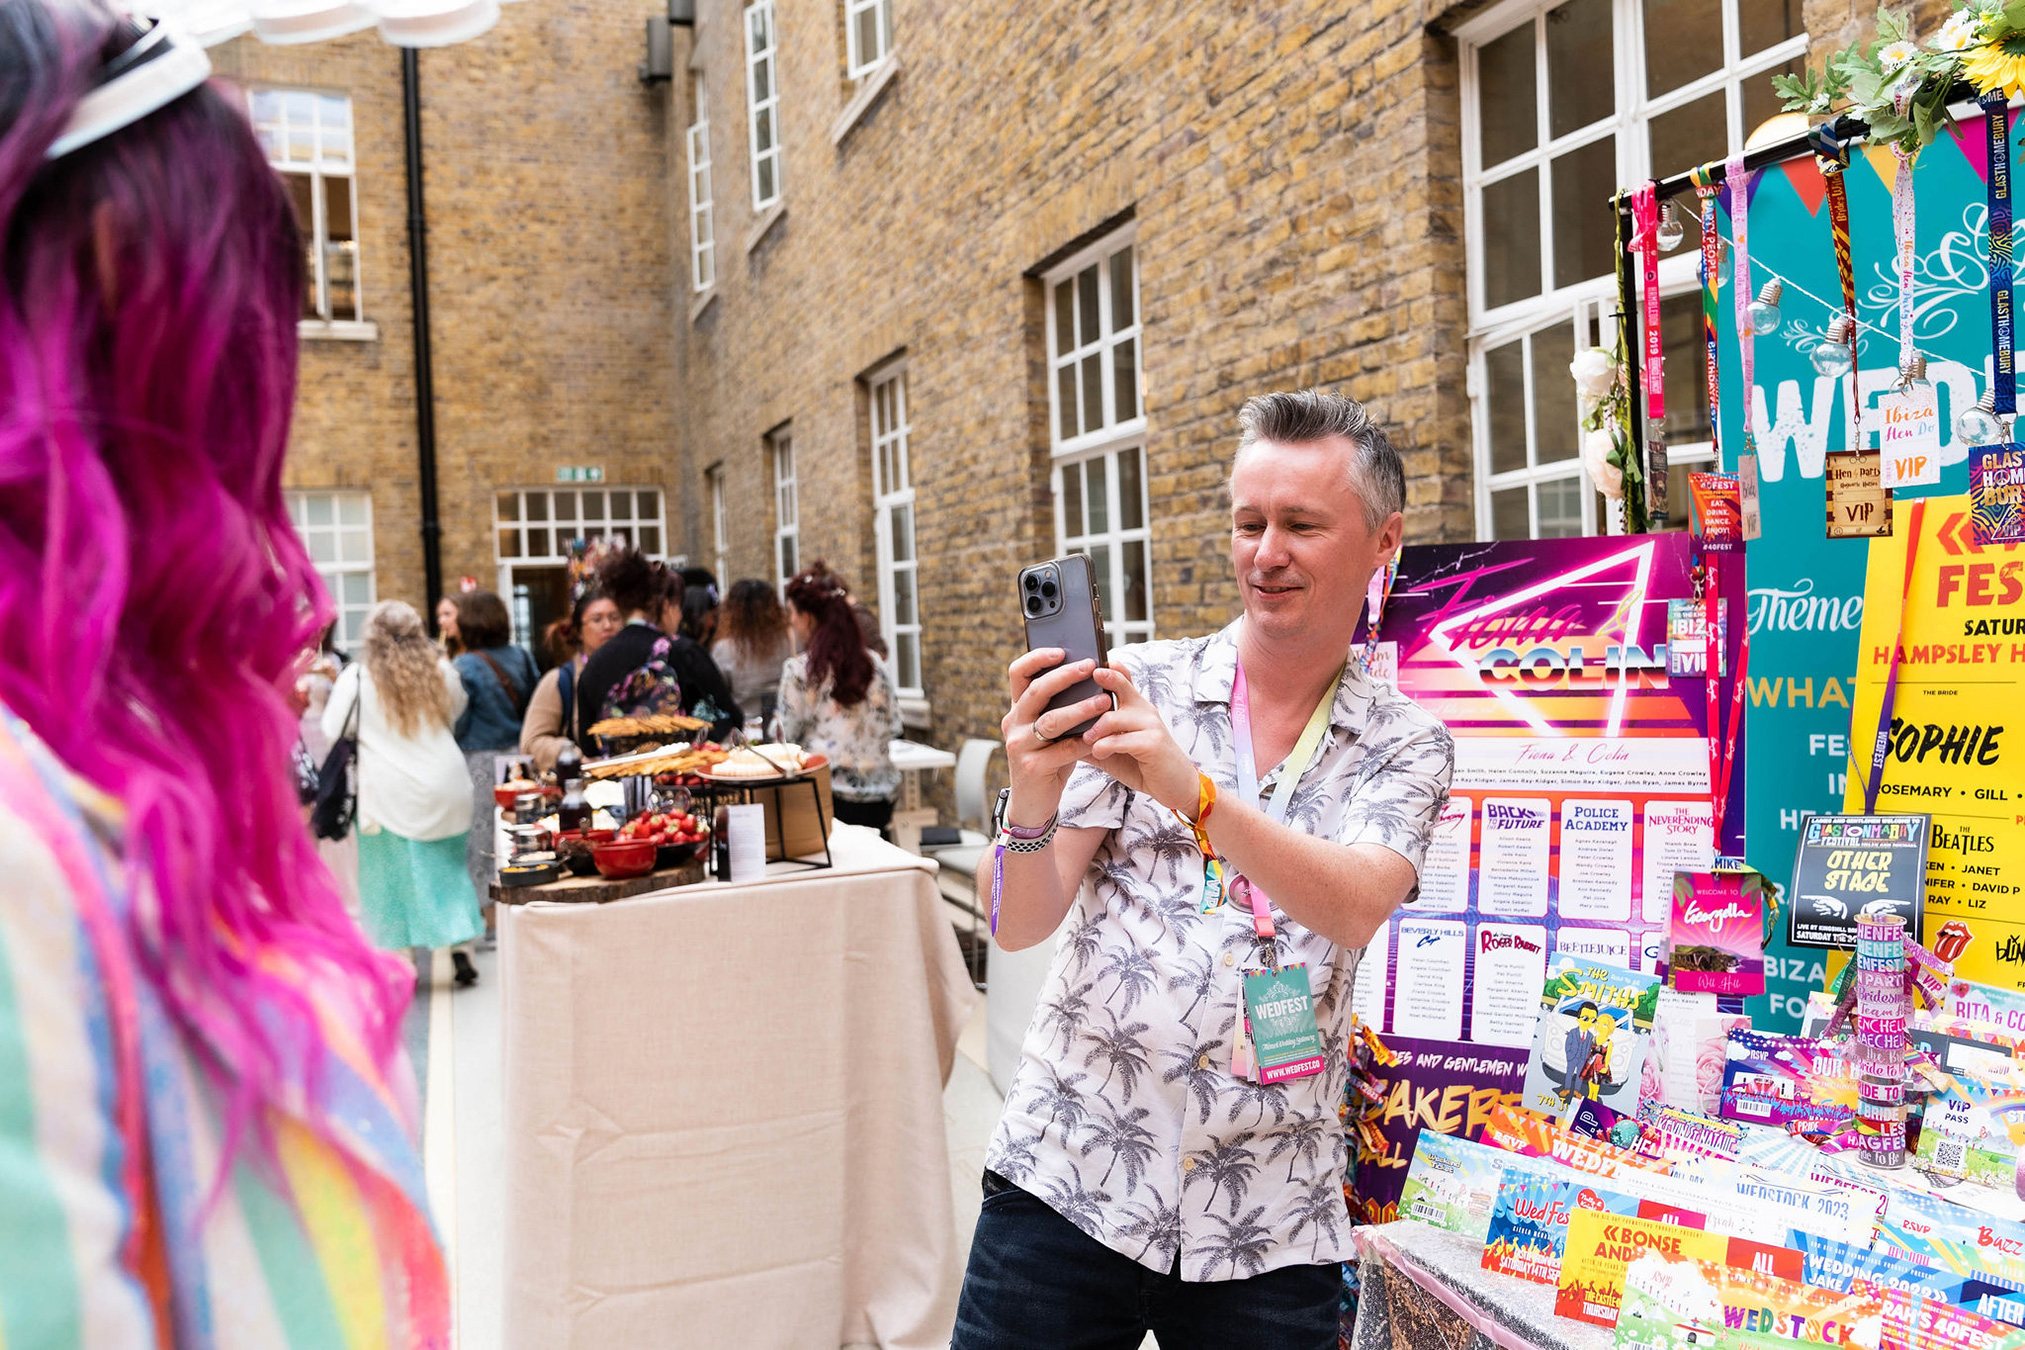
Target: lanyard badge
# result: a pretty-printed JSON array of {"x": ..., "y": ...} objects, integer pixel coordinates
[{"x": 1285, "y": 1041}]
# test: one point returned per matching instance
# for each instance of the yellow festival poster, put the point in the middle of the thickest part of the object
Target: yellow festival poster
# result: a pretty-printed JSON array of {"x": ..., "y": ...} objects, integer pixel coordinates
[{"x": 1956, "y": 724}]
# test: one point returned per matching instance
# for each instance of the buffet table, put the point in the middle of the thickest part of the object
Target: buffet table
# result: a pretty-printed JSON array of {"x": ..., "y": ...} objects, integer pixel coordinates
[
  {"x": 723, "y": 1106},
  {"x": 1421, "y": 1288}
]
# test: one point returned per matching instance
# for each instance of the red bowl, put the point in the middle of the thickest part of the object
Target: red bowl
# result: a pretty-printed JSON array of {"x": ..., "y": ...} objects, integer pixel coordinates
[{"x": 619, "y": 858}]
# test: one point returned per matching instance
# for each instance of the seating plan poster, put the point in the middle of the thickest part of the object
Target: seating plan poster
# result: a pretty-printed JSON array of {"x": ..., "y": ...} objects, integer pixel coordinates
[{"x": 1582, "y": 772}]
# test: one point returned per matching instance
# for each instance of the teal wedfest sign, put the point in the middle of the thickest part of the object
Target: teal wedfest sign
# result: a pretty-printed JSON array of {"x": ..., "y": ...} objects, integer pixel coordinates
[{"x": 1806, "y": 590}]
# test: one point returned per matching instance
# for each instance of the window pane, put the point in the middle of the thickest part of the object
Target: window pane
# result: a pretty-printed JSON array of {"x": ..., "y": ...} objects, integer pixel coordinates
[
  {"x": 1131, "y": 513},
  {"x": 357, "y": 588},
  {"x": 266, "y": 105},
  {"x": 320, "y": 509},
  {"x": 1505, "y": 378},
  {"x": 903, "y": 533},
  {"x": 537, "y": 506},
  {"x": 1121, "y": 288},
  {"x": 1585, "y": 231},
  {"x": 301, "y": 190},
  {"x": 789, "y": 565},
  {"x": 766, "y": 192},
  {"x": 351, "y": 509},
  {"x": 1512, "y": 247},
  {"x": 1134, "y": 557},
  {"x": 1065, "y": 399},
  {"x": 907, "y": 657},
  {"x": 903, "y": 595},
  {"x": 1065, "y": 317},
  {"x": 1766, "y": 23},
  {"x": 1508, "y": 121},
  {"x": 1508, "y": 514},
  {"x": 1093, "y": 391},
  {"x": 509, "y": 506},
  {"x": 1694, "y": 134},
  {"x": 1560, "y": 508},
  {"x": 509, "y": 543},
  {"x": 1095, "y": 492},
  {"x": 1579, "y": 85},
  {"x": 1125, "y": 380},
  {"x": 1086, "y": 306},
  {"x": 650, "y": 538},
  {"x": 1760, "y": 103},
  {"x": 1555, "y": 432},
  {"x": 1072, "y": 502},
  {"x": 868, "y": 36},
  {"x": 1680, "y": 340},
  {"x": 340, "y": 249},
  {"x": 594, "y": 506},
  {"x": 1683, "y": 40},
  {"x": 356, "y": 546},
  {"x": 565, "y": 505},
  {"x": 322, "y": 547},
  {"x": 647, "y": 505},
  {"x": 1100, "y": 564},
  {"x": 537, "y": 544}
]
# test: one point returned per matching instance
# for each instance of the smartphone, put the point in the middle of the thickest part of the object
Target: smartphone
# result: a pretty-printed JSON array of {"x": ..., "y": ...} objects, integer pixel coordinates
[{"x": 1061, "y": 608}]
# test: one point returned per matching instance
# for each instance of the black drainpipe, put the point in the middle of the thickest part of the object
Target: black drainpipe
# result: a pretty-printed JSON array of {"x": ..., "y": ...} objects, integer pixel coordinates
[{"x": 425, "y": 383}]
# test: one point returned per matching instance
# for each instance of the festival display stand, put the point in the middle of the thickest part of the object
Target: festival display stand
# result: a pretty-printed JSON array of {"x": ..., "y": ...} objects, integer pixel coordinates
[{"x": 1677, "y": 1046}]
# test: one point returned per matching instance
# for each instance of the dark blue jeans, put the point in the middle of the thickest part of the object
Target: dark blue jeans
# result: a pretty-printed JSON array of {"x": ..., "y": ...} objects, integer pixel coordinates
[{"x": 1038, "y": 1282}]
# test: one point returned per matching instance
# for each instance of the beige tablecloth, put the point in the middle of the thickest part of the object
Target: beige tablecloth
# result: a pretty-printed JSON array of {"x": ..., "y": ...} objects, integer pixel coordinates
[{"x": 724, "y": 1122}]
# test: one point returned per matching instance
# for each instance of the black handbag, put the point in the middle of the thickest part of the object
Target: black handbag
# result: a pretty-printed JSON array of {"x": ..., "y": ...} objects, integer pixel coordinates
[{"x": 337, "y": 782}]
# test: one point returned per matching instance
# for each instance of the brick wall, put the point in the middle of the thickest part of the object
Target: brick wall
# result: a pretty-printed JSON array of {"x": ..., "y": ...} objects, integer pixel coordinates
[
  {"x": 1292, "y": 174},
  {"x": 552, "y": 288}
]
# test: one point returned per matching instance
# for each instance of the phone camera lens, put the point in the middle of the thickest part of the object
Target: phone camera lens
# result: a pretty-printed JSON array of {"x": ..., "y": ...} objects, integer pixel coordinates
[
  {"x": 1048, "y": 589},
  {"x": 1034, "y": 605},
  {"x": 1033, "y": 582}
]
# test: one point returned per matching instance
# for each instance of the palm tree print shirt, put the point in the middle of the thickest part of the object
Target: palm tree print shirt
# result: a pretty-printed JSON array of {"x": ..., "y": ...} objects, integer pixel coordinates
[{"x": 1123, "y": 1115}]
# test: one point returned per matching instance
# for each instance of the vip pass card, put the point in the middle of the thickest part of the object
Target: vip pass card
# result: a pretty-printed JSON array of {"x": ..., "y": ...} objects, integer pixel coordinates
[
  {"x": 1717, "y": 938},
  {"x": 1687, "y": 639},
  {"x": 1286, "y": 1043}
]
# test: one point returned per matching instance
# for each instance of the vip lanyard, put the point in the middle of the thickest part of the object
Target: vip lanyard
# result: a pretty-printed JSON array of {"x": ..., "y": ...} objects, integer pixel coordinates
[
  {"x": 1740, "y": 226},
  {"x": 1882, "y": 745},
  {"x": 1997, "y": 124},
  {"x": 1299, "y": 760},
  {"x": 1833, "y": 158},
  {"x": 1705, "y": 193}
]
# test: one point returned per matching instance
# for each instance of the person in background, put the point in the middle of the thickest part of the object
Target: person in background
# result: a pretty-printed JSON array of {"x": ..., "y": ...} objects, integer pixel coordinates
[
  {"x": 868, "y": 628},
  {"x": 185, "y": 998},
  {"x": 643, "y": 671},
  {"x": 836, "y": 699},
  {"x": 446, "y": 625},
  {"x": 415, "y": 800},
  {"x": 551, "y": 721},
  {"x": 699, "y": 576},
  {"x": 699, "y": 614},
  {"x": 498, "y": 678},
  {"x": 313, "y": 687},
  {"x": 752, "y": 642}
]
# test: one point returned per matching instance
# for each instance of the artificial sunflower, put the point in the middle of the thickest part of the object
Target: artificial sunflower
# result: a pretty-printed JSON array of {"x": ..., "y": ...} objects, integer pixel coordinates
[{"x": 1997, "y": 65}]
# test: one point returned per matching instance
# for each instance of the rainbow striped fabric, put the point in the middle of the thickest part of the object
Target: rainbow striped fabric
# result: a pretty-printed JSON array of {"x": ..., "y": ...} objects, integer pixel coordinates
[{"x": 112, "y": 1232}]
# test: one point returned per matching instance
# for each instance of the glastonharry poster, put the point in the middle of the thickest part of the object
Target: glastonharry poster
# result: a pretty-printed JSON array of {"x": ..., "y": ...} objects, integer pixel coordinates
[
  {"x": 1806, "y": 602},
  {"x": 1957, "y": 723},
  {"x": 1582, "y": 783}
]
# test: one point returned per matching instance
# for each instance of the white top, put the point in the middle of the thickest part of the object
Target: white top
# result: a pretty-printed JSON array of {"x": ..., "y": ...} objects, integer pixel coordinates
[{"x": 416, "y": 786}]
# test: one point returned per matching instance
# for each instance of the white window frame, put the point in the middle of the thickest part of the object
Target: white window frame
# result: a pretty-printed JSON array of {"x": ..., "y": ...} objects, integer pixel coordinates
[
  {"x": 787, "y": 511},
  {"x": 892, "y": 493},
  {"x": 720, "y": 522},
  {"x": 560, "y": 527},
  {"x": 321, "y": 166},
  {"x": 859, "y": 63},
  {"x": 1592, "y": 298},
  {"x": 759, "y": 20},
  {"x": 702, "y": 219},
  {"x": 1104, "y": 443},
  {"x": 1116, "y": 431},
  {"x": 341, "y": 562}
]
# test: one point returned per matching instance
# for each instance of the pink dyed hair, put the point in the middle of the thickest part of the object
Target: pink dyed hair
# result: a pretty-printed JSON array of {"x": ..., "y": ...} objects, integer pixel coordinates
[{"x": 154, "y": 600}]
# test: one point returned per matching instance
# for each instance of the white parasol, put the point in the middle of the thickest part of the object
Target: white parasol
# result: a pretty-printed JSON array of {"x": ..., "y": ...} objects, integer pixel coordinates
[{"x": 405, "y": 23}]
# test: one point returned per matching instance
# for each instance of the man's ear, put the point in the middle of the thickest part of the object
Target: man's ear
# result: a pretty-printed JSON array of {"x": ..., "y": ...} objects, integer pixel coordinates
[{"x": 1389, "y": 536}]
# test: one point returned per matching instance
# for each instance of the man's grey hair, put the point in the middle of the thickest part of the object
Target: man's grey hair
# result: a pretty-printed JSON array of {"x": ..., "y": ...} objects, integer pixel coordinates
[{"x": 1302, "y": 417}]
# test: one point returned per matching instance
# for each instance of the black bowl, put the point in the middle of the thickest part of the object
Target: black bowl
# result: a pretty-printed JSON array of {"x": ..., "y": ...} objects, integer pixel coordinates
[{"x": 678, "y": 855}]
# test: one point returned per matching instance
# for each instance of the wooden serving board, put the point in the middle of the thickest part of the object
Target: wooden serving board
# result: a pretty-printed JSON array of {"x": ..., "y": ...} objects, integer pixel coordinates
[{"x": 597, "y": 890}]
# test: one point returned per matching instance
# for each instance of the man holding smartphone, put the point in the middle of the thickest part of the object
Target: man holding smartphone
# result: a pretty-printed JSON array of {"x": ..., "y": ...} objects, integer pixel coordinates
[{"x": 1230, "y": 836}]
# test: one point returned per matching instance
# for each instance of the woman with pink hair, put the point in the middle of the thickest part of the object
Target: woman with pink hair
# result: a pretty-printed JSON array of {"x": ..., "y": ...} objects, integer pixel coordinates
[{"x": 206, "y": 1128}]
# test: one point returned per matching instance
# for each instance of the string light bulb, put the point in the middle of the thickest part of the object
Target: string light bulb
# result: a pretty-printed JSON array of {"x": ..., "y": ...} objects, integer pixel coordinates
[
  {"x": 1670, "y": 231},
  {"x": 1978, "y": 424},
  {"x": 1764, "y": 312},
  {"x": 1832, "y": 356},
  {"x": 1912, "y": 376}
]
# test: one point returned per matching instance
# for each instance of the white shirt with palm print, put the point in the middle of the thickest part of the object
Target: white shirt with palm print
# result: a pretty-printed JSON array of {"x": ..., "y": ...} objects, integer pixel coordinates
[{"x": 1123, "y": 1115}]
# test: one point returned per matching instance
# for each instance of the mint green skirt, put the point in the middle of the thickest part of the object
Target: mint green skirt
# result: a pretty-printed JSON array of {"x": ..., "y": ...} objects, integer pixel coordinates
[{"x": 415, "y": 894}]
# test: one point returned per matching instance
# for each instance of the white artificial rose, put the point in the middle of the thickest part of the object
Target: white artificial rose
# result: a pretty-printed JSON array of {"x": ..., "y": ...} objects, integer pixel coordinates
[
  {"x": 1594, "y": 373},
  {"x": 1608, "y": 478},
  {"x": 1958, "y": 33}
]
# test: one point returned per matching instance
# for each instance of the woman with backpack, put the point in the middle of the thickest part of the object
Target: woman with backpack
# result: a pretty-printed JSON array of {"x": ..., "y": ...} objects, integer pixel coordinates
[
  {"x": 415, "y": 803},
  {"x": 498, "y": 677},
  {"x": 642, "y": 671},
  {"x": 552, "y": 720}
]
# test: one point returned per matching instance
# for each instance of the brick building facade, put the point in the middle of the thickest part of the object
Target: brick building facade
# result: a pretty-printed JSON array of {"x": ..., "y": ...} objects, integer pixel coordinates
[
  {"x": 551, "y": 220},
  {"x": 1402, "y": 200}
]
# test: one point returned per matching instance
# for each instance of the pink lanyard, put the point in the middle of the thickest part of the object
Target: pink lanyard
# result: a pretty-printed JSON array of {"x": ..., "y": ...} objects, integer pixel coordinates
[{"x": 1292, "y": 770}]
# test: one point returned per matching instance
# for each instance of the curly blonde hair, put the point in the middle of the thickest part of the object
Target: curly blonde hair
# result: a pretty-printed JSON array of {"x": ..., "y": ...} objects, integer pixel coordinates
[{"x": 402, "y": 661}]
